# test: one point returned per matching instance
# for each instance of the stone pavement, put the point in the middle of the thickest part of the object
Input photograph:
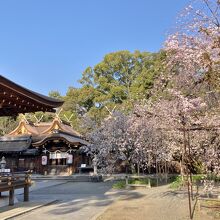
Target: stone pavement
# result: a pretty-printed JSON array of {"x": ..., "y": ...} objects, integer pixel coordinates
[
  {"x": 21, "y": 207},
  {"x": 74, "y": 200},
  {"x": 78, "y": 201}
]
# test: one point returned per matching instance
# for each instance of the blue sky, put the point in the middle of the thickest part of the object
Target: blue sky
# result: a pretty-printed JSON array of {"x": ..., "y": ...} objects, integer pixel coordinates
[{"x": 46, "y": 44}]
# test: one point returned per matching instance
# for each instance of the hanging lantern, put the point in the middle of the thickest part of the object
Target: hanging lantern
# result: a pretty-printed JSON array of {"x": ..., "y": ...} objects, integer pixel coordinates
[
  {"x": 44, "y": 160},
  {"x": 69, "y": 159}
]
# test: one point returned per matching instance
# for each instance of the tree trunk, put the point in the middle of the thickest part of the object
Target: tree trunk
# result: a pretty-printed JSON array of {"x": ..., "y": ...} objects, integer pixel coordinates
[
  {"x": 190, "y": 174},
  {"x": 181, "y": 170},
  {"x": 138, "y": 169},
  {"x": 187, "y": 172}
]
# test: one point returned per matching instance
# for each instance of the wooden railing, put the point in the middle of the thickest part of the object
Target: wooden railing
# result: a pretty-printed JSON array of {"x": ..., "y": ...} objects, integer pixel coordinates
[{"x": 11, "y": 183}]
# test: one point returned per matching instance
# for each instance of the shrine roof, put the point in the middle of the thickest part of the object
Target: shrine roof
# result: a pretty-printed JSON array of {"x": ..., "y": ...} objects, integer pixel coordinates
[
  {"x": 43, "y": 132},
  {"x": 43, "y": 128},
  {"x": 58, "y": 135},
  {"x": 16, "y": 99}
]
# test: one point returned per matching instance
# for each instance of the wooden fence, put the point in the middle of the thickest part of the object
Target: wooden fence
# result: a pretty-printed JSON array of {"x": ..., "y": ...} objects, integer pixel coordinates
[{"x": 11, "y": 183}]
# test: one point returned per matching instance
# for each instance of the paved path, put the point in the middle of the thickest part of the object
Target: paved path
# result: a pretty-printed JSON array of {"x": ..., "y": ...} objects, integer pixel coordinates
[
  {"x": 86, "y": 201},
  {"x": 159, "y": 203},
  {"x": 78, "y": 201}
]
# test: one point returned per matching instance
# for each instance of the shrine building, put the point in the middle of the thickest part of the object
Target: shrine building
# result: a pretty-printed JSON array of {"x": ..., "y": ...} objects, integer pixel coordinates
[{"x": 46, "y": 148}]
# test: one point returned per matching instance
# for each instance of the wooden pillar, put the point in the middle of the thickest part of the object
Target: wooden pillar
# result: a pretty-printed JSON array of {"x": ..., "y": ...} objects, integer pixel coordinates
[
  {"x": 11, "y": 196},
  {"x": 26, "y": 193},
  {"x": 0, "y": 192},
  {"x": 149, "y": 183},
  {"x": 126, "y": 182},
  {"x": 26, "y": 188},
  {"x": 11, "y": 191}
]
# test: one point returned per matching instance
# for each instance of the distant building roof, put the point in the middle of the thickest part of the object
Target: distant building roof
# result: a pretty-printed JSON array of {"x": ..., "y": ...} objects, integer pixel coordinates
[{"x": 16, "y": 99}]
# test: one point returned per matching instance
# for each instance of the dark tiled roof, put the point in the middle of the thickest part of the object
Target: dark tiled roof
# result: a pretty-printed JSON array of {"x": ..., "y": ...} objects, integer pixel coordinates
[{"x": 14, "y": 144}]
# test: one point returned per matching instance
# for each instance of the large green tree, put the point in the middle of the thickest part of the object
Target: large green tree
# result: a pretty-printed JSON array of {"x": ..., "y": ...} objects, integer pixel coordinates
[
  {"x": 117, "y": 82},
  {"x": 123, "y": 76}
]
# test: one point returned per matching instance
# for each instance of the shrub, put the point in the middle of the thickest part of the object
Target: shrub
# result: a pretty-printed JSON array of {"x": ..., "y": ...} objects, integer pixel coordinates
[
  {"x": 119, "y": 184},
  {"x": 176, "y": 182}
]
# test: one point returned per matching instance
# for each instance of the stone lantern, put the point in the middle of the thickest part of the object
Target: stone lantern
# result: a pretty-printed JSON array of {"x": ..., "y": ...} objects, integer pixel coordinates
[{"x": 3, "y": 163}]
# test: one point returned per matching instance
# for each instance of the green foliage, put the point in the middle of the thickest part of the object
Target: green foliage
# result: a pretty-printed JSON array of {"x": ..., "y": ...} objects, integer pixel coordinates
[
  {"x": 197, "y": 178},
  {"x": 119, "y": 185},
  {"x": 198, "y": 167},
  {"x": 139, "y": 181},
  {"x": 118, "y": 81},
  {"x": 7, "y": 124},
  {"x": 176, "y": 182},
  {"x": 213, "y": 176},
  {"x": 38, "y": 117},
  {"x": 55, "y": 94}
]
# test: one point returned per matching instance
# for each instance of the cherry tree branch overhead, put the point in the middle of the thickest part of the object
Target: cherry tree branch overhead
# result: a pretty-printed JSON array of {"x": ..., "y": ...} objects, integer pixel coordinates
[{"x": 194, "y": 49}]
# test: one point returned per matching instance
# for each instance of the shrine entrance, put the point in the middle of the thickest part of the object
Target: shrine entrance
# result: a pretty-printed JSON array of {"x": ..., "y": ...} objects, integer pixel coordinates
[{"x": 61, "y": 155}]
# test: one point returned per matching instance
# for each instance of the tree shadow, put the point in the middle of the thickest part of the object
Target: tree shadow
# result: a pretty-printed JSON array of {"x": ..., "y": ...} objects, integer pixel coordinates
[
  {"x": 74, "y": 196},
  {"x": 93, "y": 201},
  {"x": 174, "y": 193}
]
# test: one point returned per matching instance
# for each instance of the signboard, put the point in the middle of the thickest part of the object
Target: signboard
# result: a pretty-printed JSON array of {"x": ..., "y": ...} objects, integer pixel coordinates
[
  {"x": 58, "y": 155},
  {"x": 44, "y": 160},
  {"x": 69, "y": 159},
  {"x": 52, "y": 155},
  {"x": 5, "y": 170}
]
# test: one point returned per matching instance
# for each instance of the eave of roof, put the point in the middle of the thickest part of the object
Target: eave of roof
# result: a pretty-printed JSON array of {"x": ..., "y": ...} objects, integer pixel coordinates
[
  {"x": 11, "y": 92},
  {"x": 60, "y": 136}
]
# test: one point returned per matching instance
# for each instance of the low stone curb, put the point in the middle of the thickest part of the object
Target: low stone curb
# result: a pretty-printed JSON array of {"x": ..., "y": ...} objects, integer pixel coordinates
[{"x": 29, "y": 210}]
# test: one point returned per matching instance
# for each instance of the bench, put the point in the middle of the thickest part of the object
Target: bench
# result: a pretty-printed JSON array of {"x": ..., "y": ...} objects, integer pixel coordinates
[
  {"x": 15, "y": 182},
  {"x": 199, "y": 199}
]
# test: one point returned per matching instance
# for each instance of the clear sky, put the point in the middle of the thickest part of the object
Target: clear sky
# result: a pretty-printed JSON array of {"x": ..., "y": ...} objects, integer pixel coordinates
[{"x": 46, "y": 44}]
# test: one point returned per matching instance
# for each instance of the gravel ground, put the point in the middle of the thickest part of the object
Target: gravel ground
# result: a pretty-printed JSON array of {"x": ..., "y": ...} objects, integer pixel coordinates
[{"x": 159, "y": 203}]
